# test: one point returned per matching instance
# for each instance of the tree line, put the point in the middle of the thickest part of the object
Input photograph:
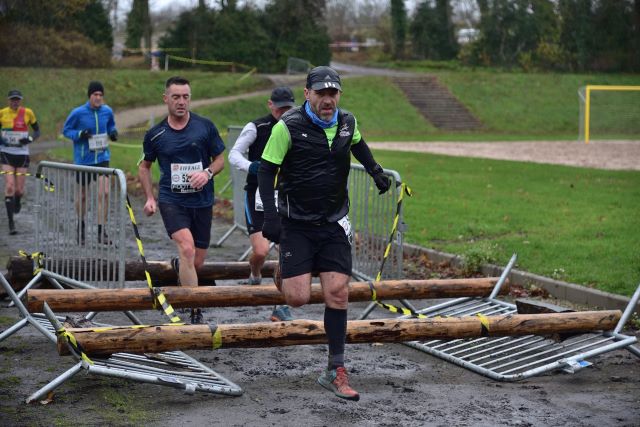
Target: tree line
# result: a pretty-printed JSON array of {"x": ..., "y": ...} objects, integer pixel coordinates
[
  {"x": 566, "y": 35},
  {"x": 562, "y": 35}
]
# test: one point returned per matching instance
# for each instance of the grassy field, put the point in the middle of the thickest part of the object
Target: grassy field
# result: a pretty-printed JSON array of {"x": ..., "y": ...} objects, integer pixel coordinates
[
  {"x": 578, "y": 225},
  {"x": 52, "y": 93},
  {"x": 574, "y": 224}
]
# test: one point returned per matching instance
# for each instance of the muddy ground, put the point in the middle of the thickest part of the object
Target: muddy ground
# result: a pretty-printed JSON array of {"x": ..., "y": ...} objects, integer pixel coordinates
[{"x": 398, "y": 385}]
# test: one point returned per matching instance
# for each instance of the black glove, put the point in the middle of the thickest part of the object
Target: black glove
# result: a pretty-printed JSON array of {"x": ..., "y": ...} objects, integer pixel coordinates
[
  {"x": 85, "y": 133},
  {"x": 113, "y": 135},
  {"x": 27, "y": 140},
  {"x": 253, "y": 167},
  {"x": 271, "y": 228},
  {"x": 382, "y": 181}
]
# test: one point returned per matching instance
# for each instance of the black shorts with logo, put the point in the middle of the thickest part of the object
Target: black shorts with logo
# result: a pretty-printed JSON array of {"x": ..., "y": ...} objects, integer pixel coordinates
[
  {"x": 306, "y": 248},
  {"x": 14, "y": 160},
  {"x": 197, "y": 220},
  {"x": 253, "y": 218}
]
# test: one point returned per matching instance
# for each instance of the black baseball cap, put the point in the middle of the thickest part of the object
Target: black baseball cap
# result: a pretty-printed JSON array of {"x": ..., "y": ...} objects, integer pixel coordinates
[
  {"x": 14, "y": 93},
  {"x": 323, "y": 77},
  {"x": 282, "y": 97}
]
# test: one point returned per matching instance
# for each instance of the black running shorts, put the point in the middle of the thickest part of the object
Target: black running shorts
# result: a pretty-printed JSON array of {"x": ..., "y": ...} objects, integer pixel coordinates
[
  {"x": 84, "y": 178},
  {"x": 306, "y": 248},
  {"x": 14, "y": 160},
  {"x": 197, "y": 220}
]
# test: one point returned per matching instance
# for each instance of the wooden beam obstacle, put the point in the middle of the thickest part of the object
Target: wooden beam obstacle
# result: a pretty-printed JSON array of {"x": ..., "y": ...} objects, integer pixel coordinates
[
  {"x": 20, "y": 270},
  {"x": 237, "y": 296},
  {"x": 159, "y": 338}
]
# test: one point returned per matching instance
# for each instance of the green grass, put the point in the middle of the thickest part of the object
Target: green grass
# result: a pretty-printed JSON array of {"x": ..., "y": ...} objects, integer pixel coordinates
[
  {"x": 583, "y": 222},
  {"x": 53, "y": 92}
]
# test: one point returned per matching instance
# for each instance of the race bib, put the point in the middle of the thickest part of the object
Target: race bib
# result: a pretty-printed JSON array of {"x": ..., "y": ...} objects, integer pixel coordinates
[
  {"x": 98, "y": 142},
  {"x": 259, "y": 205},
  {"x": 180, "y": 177},
  {"x": 13, "y": 137},
  {"x": 346, "y": 225}
]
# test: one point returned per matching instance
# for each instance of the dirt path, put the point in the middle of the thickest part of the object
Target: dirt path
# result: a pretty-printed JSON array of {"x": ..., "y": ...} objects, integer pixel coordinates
[{"x": 615, "y": 155}]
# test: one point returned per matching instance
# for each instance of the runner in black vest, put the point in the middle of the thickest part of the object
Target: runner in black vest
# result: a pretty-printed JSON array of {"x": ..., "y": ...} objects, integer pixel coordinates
[
  {"x": 311, "y": 146},
  {"x": 252, "y": 140}
]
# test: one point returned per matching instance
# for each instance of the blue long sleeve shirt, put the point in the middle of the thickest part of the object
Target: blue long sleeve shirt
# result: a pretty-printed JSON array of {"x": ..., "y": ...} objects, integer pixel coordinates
[{"x": 98, "y": 121}]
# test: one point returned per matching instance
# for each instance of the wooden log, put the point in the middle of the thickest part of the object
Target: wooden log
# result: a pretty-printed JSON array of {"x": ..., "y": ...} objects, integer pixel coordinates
[
  {"x": 236, "y": 296},
  {"x": 20, "y": 271},
  {"x": 154, "y": 339}
]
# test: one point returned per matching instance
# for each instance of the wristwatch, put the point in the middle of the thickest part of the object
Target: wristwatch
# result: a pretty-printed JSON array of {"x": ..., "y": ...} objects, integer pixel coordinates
[{"x": 209, "y": 173}]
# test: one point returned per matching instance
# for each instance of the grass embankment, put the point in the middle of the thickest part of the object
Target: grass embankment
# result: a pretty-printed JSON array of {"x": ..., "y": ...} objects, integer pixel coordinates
[
  {"x": 579, "y": 225},
  {"x": 52, "y": 92}
]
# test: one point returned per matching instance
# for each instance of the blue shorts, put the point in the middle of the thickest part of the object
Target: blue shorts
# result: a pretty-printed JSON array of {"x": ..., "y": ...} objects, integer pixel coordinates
[
  {"x": 197, "y": 220},
  {"x": 309, "y": 248}
]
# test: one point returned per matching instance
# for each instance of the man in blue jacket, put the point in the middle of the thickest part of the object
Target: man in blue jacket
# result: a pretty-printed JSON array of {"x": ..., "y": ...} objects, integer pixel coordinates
[{"x": 90, "y": 127}]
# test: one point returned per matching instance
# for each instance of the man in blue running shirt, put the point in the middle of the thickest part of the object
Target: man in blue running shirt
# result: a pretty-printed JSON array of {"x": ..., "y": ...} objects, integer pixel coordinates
[{"x": 189, "y": 150}]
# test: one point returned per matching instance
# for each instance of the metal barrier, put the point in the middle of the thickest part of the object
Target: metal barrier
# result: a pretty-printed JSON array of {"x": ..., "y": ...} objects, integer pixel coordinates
[
  {"x": 88, "y": 247},
  {"x": 173, "y": 369},
  {"x": 372, "y": 216},
  {"x": 82, "y": 245},
  {"x": 238, "y": 179},
  {"x": 517, "y": 358}
]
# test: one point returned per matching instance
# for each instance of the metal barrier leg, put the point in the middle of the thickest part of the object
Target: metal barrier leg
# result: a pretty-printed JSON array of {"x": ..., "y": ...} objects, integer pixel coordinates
[
  {"x": 55, "y": 383},
  {"x": 245, "y": 254},
  {"x": 634, "y": 350},
  {"x": 13, "y": 329},
  {"x": 367, "y": 311},
  {"x": 28, "y": 286},
  {"x": 224, "y": 237}
]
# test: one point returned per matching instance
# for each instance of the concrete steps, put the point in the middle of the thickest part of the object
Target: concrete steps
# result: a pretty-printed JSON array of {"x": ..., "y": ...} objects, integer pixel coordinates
[{"x": 437, "y": 104}]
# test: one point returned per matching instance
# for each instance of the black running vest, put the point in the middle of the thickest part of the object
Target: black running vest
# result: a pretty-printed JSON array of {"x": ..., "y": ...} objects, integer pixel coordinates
[
  {"x": 312, "y": 182},
  {"x": 263, "y": 127}
]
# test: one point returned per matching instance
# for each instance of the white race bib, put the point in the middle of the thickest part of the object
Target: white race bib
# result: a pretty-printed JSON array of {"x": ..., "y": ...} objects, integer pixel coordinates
[
  {"x": 259, "y": 205},
  {"x": 13, "y": 137},
  {"x": 180, "y": 177},
  {"x": 346, "y": 225},
  {"x": 99, "y": 142}
]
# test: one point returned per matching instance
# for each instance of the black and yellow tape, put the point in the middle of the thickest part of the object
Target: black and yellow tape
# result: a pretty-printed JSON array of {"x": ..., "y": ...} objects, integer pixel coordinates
[
  {"x": 404, "y": 189},
  {"x": 36, "y": 257},
  {"x": 392, "y": 308},
  {"x": 158, "y": 296},
  {"x": 48, "y": 185},
  {"x": 484, "y": 324},
  {"x": 75, "y": 345}
]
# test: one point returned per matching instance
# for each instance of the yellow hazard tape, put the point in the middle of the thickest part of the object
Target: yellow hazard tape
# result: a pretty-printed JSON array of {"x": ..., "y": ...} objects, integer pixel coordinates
[
  {"x": 393, "y": 308},
  {"x": 37, "y": 257},
  {"x": 156, "y": 293},
  {"x": 484, "y": 323},
  {"x": 74, "y": 344},
  {"x": 216, "y": 337},
  {"x": 48, "y": 185}
]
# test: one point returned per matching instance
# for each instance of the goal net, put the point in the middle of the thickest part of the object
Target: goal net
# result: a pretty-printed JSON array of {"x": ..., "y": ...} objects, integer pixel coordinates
[{"x": 609, "y": 112}]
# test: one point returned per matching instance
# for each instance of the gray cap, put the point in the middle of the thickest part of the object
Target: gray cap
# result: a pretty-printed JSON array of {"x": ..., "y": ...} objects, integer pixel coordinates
[
  {"x": 323, "y": 77},
  {"x": 14, "y": 93},
  {"x": 282, "y": 97}
]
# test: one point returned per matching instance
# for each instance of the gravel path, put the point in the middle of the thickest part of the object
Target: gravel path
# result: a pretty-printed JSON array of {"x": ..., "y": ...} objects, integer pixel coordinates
[{"x": 614, "y": 155}]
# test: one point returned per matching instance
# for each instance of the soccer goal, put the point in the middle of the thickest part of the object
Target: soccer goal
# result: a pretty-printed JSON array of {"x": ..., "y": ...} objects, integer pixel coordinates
[{"x": 609, "y": 112}]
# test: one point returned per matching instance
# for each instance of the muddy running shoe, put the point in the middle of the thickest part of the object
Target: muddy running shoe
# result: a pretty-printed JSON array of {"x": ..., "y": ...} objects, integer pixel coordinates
[
  {"x": 196, "y": 316},
  {"x": 337, "y": 381},
  {"x": 281, "y": 314},
  {"x": 253, "y": 281}
]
